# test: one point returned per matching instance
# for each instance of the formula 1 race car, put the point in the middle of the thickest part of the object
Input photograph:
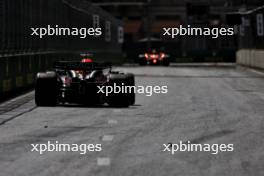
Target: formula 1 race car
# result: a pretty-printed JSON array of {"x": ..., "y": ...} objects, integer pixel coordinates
[
  {"x": 154, "y": 58},
  {"x": 79, "y": 82}
]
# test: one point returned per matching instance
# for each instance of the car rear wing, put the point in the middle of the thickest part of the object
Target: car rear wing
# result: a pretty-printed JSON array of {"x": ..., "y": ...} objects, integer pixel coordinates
[{"x": 74, "y": 65}]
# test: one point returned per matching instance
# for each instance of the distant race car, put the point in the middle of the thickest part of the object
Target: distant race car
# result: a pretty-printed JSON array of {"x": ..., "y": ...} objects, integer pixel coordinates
[
  {"x": 154, "y": 58},
  {"x": 77, "y": 82},
  {"x": 86, "y": 57}
]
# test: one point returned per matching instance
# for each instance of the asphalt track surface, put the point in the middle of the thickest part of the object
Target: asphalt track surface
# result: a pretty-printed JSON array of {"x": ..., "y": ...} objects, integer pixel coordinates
[{"x": 203, "y": 104}]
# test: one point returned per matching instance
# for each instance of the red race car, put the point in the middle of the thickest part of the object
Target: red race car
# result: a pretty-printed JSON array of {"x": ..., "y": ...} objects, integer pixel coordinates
[{"x": 154, "y": 58}]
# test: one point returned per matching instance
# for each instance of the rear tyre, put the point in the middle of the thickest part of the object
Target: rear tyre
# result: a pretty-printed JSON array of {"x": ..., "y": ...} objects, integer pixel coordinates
[
  {"x": 166, "y": 62},
  {"x": 142, "y": 62},
  {"x": 131, "y": 82},
  {"x": 46, "y": 89},
  {"x": 119, "y": 99}
]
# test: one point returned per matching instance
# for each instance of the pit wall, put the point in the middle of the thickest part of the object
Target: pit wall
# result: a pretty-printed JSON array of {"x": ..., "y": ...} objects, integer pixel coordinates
[{"x": 251, "y": 58}]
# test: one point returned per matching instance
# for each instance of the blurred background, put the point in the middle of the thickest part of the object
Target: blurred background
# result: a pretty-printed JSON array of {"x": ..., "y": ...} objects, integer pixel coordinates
[
  {"x": 144, "y": 19},
  {"x": 129, "y": 27}
]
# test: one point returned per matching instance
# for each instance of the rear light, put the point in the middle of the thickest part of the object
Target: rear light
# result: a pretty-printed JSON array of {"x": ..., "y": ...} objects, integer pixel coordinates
[
  {"x": 154, "y": 56},
  {"x": 162, "y": 55},
  {"x": 154, "y": 61},
  {"x": 87, "y": 60},
  {"x": 146, "y": 55}
]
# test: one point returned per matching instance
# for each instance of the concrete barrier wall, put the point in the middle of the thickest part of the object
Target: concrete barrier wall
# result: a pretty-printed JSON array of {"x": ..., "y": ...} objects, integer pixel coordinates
[
  {"x": 23, "y": 55},
  {"x": 251, "y": 58},
  {"x": 18, "y": 72}
]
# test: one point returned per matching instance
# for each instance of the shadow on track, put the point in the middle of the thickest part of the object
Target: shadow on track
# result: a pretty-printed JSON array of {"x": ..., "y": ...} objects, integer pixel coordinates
[{"x": 97, "y": 106}]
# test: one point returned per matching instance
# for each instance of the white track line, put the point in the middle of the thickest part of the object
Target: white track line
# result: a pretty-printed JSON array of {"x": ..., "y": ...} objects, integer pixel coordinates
[
  {"x": 112, "y": 122},
  {"x": 117, "y": 110},
  {"x": 257, "y": 71},
  {"x": 107, "y": 138},
  {"x": 103, "y": 161}
]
